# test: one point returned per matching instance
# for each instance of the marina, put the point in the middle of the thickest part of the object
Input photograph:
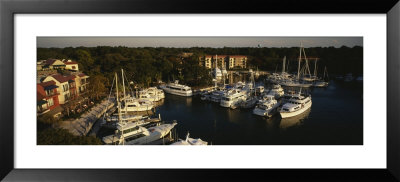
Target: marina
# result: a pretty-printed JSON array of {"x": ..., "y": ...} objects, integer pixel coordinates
[
  {"x": 202, "y": 96},
  {"x": 336, "y": 117}
]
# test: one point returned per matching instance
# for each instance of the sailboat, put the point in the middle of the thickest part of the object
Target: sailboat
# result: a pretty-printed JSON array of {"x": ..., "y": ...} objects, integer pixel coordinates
[
  {"x": 217, "y": 72},
  {"x": 302, "y": 71},
  {"x": 252, "y": 99},
  {"x": 124, "y": 117},
  {"x": 133, "y": 133},
  {"x": 134, "y": 104},
  {"x": 322, "y": 83}
]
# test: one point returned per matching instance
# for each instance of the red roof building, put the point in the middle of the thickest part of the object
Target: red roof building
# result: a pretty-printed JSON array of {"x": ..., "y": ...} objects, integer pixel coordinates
[{"x": 47, "y": 96}]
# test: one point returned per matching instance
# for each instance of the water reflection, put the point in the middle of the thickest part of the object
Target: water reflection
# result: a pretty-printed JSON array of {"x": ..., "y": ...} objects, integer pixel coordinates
[{"x": 295, "y": 120}]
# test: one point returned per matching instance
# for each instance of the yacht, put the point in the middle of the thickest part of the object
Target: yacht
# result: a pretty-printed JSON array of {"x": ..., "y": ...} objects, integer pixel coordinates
[
  {"x": 267, "y": 106},
  {"x": 177, "y": 89},
  {"x": 124, "y": 118},
  {"x": 295, "y": 105},
  {"x": 249, "y": 102},
  {"x": 276, "y": 91},
  {"x": 216, "y": 95},
  {"x": 320, "y": 84},
  {"x": 145, "y": 95},
  {"x": 132, "y": 104},
  {"x": 190, "y": 141},
  {"x": 131, "y": 134},
  {"x": 233, "y": 98},
  {"x": 156, "y": 93}
]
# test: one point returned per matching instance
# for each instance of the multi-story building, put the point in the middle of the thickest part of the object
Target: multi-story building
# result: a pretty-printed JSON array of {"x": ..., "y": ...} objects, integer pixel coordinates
[
  {"x": 70, "y": 86},
  {"x": 71, "y": 65},
  {"x": 82, "y": 81},
  {"x": 47, "y": 97},
  {"x": 66, "y": 87},
  {"x": 224, "y": 61},
  {"x": 237, "y": 61}
]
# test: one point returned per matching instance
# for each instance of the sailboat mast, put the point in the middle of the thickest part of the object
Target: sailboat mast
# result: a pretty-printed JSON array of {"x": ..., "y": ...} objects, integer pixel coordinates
[
  {"x": 118, "y": 103},
  {"x": 315, "y": 68},
  {"x": 123, "y": 81},
  {"x": 283, "y": 66},
  {"x": 298, "y": 69},
  {"x": 123, "y": 85}
]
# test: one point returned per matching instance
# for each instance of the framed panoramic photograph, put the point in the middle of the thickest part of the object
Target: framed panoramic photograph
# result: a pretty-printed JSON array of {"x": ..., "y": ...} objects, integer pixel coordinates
[{"x": 105, "y": 90}]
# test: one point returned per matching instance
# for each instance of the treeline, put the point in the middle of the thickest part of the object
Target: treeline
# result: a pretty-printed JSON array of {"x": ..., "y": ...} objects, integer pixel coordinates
[{"x": 148, "y": 65}]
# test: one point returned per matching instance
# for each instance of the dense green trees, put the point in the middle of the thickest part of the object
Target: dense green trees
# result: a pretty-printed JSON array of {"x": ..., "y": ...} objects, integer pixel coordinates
[
  {"x": 49, "y": 135},
  {"x": 147, "y": 65},
  {"x": 58, "y": 136}
]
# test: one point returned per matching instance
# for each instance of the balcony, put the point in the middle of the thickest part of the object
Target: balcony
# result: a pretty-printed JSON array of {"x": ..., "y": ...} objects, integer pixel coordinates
[{"x": 51, "y": 94}]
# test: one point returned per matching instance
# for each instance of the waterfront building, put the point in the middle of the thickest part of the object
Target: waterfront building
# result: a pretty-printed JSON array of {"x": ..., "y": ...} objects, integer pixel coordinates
[
  {"x": 223, "y": 61},
  {"x": 81, "y": 81},
  {"x": 66, "y": 87},
  {"x": 47, "y": 97}
]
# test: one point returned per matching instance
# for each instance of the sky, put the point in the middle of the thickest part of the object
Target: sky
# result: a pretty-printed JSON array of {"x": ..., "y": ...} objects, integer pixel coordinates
[{"x": 60, "y": 42}]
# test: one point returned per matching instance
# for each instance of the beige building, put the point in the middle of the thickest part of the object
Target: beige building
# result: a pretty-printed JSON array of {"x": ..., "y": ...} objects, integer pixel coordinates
[
  {"x": 71, "y": 65},
  {"x": 237, "y": 61},
  {"x": 69, "y": 87},
  {"x": 224, "y": 61}
]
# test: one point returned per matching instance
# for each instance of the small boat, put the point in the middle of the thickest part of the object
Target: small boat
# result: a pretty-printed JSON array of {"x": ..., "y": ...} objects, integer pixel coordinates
[
  {"x": 267, "y": 106},
  {"x": 320, "y": 84},
  {"x": 250, "y": 102},
  {"x": 190, "y": 141},
  {"x": 177, "y": 89},
  {"x": 216, "y": 95},
  {"x": 276, "y": 91},
  {"x": 132, "y": 104},
  {"x": 131, "y": 134},
  {"x": 155, "y": 93},
  {"x": 233, "y": 98}
]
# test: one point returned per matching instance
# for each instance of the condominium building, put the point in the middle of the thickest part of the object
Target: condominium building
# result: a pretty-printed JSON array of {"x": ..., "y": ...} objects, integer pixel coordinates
[{"x": 223, "y": 61}]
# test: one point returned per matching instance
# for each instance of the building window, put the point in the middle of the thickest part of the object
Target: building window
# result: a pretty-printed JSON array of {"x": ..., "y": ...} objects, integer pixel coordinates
[{"x": 50, "y": 101}]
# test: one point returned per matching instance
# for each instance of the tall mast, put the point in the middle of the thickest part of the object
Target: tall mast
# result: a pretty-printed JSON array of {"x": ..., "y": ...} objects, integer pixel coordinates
[
  {"x": 123, "y": 81},
  {"x": 118, "y": 103},
  {"x": 307, "y": 67},
  {"x": 315, "y": 68},
  {"x": 283, "y": 66},
  {"x": 119, "y": 110},
  {"x": 123, "y": 84},
  {"x": 298, "y": 69}
]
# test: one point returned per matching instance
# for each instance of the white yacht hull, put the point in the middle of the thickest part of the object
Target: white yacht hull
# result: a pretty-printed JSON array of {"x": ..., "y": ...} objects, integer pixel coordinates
[
  {"x": 295, "y": 113},
  {"x": 268, "y": 113},
  {"x": 180, "y": 93},
  {"x": 160, "y": 132},
  {"x": 138, "y": 109}
]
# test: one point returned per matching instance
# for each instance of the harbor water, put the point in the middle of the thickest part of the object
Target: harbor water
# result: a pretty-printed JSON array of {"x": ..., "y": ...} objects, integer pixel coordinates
[{"x": 335, "y": 118}]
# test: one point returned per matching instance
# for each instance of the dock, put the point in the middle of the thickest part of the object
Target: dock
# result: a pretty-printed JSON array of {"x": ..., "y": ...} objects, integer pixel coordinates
[{"x": 82, "y": 125}]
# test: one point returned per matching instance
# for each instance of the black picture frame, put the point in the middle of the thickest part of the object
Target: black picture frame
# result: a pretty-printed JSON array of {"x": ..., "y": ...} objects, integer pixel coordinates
[{"x": 8, "y": 8}]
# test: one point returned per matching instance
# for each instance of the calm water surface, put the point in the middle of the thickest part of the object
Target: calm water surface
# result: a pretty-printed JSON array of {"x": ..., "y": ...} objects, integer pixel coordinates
[{"x": 335, "y": 118}]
